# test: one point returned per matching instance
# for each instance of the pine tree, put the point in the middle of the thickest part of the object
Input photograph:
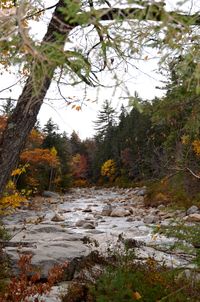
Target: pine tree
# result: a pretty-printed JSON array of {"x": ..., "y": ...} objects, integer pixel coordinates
[
  {"x": 7, "y": 107},
  {"x": 106, "y": 120}
]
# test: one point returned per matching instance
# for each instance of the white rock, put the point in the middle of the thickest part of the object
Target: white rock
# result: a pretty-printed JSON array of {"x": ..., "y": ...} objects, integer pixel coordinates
[
  {"x": 192, "y": 210},
  {"x": 120, "y": 212},
  {"x": 106, "y": 211},
  {"x": 192, "y": 217},
  {"x": 57, "y": 218}
]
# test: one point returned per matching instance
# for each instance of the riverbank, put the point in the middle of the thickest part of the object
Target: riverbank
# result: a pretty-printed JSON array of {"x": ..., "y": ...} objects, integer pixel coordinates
[{"x": 69, "y": 227}]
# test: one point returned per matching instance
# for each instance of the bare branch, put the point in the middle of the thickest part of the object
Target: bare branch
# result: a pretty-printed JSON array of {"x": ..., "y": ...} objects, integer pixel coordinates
[
  {"x": 194, "y": 174},
  {"x": 39, "y": 12},
  {"x": 9, "y": 87}
]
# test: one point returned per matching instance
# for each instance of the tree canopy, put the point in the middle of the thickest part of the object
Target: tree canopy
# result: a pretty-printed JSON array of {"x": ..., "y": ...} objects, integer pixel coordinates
[{"x": 109, "y": 35}]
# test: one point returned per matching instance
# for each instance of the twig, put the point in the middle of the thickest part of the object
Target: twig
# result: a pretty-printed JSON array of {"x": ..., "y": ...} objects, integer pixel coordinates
[
  {"x": 172, "y": 294},
  {"x": 195, "y": 175},
  {"x": 12, "y": 85},
  {"x": 38, "y": 12}
]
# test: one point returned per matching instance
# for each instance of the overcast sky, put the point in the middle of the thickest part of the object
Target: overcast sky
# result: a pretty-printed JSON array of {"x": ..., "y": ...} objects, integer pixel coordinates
[{"x": 145, "y": 80}]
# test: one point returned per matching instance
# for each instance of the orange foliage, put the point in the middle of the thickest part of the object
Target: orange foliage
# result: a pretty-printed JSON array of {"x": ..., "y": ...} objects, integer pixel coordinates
[
  {"x": 40, "y": 156},
  {"x": 32, "y": 180},
  {"x": 79, "y": 166},
  {"x": 80, "y": 183},
  {"x": 35, "y": 138},
  {"x": 24, "y": 288}
]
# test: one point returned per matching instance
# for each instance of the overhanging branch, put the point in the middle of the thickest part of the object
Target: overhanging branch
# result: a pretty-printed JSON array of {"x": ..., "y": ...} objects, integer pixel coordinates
[{"x": 149, "y": 13}]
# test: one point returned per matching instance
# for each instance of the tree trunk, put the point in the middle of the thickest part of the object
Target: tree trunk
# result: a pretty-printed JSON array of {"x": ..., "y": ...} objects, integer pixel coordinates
[{"x": 29, "y": 103}]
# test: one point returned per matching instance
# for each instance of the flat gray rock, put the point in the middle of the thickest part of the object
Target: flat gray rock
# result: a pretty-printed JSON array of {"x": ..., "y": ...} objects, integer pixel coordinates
[
  {"x": 151, "y": 219},
  {"x": 192, "y": 210},
  {"x": 120, "y": 212},
  {"x": 50, "y": 194}
]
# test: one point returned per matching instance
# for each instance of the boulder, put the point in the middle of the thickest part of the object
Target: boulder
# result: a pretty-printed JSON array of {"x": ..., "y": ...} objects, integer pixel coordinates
[
  {"x": 106, "y": 211},
  {"x": 161, "y": 207},
  {"x": 130, "y": 219},
  {"x": 137, "y": 199},
  {"x": 57, "y": 218},
  {"x": 130, "y": 209},
  {"x": 151, "y": 219},
  {"x": 192, "y": 217},
  {"x": 50, "y": 194},
  {"x": 49, "y": 249},
  {"x": 167, "y": 215},
  {"x": 87, "y": 210},
  {"x": 192, "y": 210},
  {"x": 89, "y": 225},
  {"x": 120, "y": 212},
  {"x": 141, "y": 192},
  {"x": 86, "y": 224},
  {"x": 80, "y": 223},
  {"x": 132, "y": 243}
]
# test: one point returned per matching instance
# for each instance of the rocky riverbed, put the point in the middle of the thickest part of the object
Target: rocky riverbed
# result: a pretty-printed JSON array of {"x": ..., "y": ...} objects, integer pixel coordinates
[{"x": 56, "y": 228}]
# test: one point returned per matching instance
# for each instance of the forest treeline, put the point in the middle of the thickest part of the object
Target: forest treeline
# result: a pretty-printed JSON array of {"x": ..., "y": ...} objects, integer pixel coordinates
[{"x": 148, "y": 141}]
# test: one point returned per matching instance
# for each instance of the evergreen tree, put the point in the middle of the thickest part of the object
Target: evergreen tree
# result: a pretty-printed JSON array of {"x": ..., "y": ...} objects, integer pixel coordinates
[
  {"x": 106, "y": 120},
  {"x": 7, "y": 107},
  {"x": 76, "y": 145}
]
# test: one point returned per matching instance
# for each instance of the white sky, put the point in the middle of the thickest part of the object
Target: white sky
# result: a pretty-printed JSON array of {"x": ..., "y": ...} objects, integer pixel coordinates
[{"x": 68, "y": 119}]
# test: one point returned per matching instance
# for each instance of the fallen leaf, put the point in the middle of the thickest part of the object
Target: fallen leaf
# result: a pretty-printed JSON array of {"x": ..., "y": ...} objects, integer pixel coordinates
[{"x": 137, "y": 296}]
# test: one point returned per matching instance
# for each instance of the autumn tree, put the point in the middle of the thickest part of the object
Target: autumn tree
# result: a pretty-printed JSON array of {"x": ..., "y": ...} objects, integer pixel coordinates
[
  {"x": 43, "y": 165},
  {"x": 79, "y": 165},
  {"x": 59, "y": 141},
  {"x": 108, "y": 169},
  {"x": 116, "y": 41}
]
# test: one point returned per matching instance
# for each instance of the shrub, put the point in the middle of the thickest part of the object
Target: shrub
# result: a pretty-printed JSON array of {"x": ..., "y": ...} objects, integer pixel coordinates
[
  {"x": 80, "y": 183},
  {"x": 108, "y": 169},
  {"x": 26, "y": 287},
  {"x": 172, "y": 190}
]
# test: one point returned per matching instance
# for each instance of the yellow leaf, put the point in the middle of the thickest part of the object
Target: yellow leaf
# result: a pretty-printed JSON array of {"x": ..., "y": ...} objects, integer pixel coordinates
[
  {"x": 136, "y": 296},
  {"x": 16, "y": 172},
  {"x": 78, "y": 108},
  {"x": 53, "y": 151}
]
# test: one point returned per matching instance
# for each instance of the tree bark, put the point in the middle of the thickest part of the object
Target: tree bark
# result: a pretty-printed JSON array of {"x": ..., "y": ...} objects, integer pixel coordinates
[{"x": 29, "y": 103}]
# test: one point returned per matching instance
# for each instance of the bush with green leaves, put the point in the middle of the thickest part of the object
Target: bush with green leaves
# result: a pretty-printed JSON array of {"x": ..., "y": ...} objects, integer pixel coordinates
[{"x": 125, "y": 279}]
